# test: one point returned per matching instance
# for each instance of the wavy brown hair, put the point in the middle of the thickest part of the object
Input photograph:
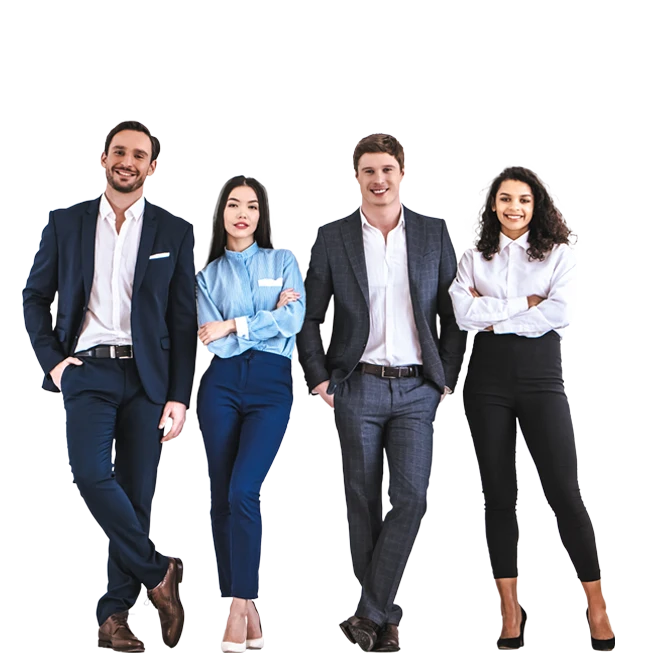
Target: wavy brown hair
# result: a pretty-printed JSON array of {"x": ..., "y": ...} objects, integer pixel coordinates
[{"x": 546, "y": 229}]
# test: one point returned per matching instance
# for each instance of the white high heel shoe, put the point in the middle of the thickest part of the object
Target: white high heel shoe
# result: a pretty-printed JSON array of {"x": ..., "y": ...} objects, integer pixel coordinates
[
  {"x": 255, "y": 643},
  {"x": 234, "y": 647}
]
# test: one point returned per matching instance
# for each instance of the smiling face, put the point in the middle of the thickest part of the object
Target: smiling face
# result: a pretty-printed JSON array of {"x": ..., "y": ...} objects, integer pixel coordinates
[
  {"x": 513, "y": 205},
  {"x": 240, "y": 217},
  {"x": 379, "y": 175},
  {"x": 127, "y": 161}
]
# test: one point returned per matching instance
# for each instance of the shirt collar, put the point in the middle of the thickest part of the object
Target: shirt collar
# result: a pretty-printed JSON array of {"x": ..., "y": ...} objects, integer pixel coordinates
[
  {"x": 132, "y": 213},
  {"x": 401, "y": 222},
  {"x": 245, "y": 254},
  {"x": 522, "y": 241}
]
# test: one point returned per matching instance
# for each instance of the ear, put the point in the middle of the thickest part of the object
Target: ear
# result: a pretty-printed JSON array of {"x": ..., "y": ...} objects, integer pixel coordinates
[
  {"x": 151, "y": 167},
  {"x": 103, "y": 160}
]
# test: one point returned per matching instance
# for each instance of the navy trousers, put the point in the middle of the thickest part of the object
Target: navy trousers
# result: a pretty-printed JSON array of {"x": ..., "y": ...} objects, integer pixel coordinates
[
  {"x": 377, "y": 416},
  {"x": 510, "y": 379},
  {"x": 106, "y": 406},
  {"x": 243, "y": 409}
]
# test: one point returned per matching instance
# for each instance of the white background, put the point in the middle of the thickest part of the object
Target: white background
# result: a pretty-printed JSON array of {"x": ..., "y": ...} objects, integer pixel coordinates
[{"x": 283, "y": 91}]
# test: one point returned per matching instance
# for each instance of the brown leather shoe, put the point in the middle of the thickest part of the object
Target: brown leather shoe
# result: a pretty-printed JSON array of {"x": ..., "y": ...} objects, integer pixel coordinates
[
  {"x": 388, "y": 639},
  {"x": 166, "y": 599},
  {"x": 114, "y": 633},
  {"x": 361, "y": 630}
]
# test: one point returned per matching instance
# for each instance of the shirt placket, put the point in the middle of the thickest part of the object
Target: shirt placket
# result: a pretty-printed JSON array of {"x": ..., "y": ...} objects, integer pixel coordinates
[
  {"x": 119, "y": 238},
  {"x": 389, "y": 297}
]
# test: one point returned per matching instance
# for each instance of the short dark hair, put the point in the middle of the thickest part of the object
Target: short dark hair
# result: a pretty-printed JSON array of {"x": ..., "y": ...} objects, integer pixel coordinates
[
  {"x": 378, "y": 143},
  {"x": 136, "y": 127},
  {"x": 546, "y": 229},
  {"x": 262, "y": 232}
]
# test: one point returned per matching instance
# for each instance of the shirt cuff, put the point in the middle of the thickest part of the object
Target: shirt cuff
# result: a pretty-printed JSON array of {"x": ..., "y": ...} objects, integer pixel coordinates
[
  {"x": 516, "y": 305},
  {"x": 242, "y": 327}
]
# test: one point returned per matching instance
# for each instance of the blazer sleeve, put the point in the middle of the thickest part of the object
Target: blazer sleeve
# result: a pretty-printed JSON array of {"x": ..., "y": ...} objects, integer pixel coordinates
[
  {"x": 38, "y": 295},
  {"x": 452, "y": 341},
  {"x": 318, "y": 292},
  {"x": 285, "y": 321},
  {"x": 479, "y": 313},
  {"x": 181, "y": 322},
  {"x": 552, "y": 313}
]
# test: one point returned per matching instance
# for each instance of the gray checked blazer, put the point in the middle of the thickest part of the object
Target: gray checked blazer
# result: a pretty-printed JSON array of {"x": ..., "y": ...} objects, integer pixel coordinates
[{"x": 338, "y": 268}]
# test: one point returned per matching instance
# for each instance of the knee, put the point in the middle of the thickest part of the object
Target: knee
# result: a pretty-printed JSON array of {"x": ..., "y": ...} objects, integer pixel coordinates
[
  {"x": 90, "y": 480},
  {"x": 566, "y": 501},
  {"x": 411, "y": 500},
  {"x": 243, "y": 499}
]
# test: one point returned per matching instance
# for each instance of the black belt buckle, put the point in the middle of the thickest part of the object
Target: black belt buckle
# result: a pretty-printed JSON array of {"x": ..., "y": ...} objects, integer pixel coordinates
[{"x": 382, "y": 372}]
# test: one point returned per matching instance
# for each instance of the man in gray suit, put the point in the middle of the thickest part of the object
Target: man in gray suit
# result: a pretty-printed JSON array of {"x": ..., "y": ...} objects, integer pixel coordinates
[{"x": 385, "y": 371}]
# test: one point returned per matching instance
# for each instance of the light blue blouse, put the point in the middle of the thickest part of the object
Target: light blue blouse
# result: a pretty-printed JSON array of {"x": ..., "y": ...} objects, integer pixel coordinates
[{"x": 246, "y": 286}]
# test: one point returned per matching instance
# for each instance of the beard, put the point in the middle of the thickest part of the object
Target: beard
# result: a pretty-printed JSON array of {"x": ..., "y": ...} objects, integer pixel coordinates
[{"x": 125, "y": 187}]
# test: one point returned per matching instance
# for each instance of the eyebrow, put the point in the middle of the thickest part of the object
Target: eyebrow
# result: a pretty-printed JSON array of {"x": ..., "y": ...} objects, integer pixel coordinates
[
  {"x": 136, "y": 150},
  {"x": 237, "y": 200},
  {"x": 507, "y": 193}
]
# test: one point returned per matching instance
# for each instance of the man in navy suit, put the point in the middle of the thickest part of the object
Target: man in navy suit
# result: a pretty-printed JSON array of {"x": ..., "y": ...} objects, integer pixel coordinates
[{"x": 122, "y": 352}]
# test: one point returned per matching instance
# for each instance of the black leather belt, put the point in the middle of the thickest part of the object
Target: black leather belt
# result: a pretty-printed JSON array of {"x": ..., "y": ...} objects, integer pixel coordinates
[
  {"x": 390, "y": 372},
  {"x": 107, "y": 351}
]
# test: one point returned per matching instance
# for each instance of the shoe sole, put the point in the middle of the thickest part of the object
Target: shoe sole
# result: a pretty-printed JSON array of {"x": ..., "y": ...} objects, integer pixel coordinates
[
  {"x": 362, "y": 639},
  {"x": 130, "y": 650},
  {"x": 345, "y": 627}
]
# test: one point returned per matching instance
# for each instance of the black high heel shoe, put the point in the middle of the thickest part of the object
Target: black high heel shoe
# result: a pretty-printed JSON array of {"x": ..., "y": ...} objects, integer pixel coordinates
[
  {"x": 514, "y": 643},
  {"x": 600, "y": 645}
]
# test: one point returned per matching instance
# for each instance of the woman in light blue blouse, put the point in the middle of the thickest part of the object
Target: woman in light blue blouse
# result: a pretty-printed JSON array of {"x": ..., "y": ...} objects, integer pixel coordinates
[{"x": 251, "y": 304}]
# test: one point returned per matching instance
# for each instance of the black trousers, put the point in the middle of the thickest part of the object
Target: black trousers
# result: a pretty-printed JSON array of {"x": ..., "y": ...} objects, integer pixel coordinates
[{"x": 514, "y": 378}]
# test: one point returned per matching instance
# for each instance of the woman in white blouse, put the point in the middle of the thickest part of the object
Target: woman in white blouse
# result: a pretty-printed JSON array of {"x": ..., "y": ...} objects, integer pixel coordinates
[{"x": 514, "y": 288}]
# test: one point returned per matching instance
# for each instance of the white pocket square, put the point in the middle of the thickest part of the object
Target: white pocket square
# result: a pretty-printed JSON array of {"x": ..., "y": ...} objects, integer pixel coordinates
[
  {"x": 270, "y": 282},
  {"x": 158, "y": 256}
]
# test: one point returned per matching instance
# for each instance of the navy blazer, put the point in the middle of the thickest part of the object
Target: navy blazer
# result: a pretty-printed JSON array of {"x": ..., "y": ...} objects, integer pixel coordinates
[
  {"x": 338, "y": 268},
  {"x": 163, "y": 317}
]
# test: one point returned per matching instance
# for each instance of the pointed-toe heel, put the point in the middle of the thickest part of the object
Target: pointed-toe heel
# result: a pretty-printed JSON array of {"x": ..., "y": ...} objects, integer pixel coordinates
[
  {"x": 234, "y": 647},
  {"x": 256, "y": 643},
  {"x": 600, "y": 645},
  {"x": 514, "y": 643}
]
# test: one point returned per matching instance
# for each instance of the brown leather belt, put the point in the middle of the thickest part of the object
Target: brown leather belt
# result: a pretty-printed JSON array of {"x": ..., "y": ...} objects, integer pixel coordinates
[
  {"x": 383, "y": 371},
  {"x": 107, "y": 351}
]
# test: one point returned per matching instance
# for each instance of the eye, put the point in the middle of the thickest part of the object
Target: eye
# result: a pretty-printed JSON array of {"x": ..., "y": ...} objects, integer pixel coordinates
[
  {"x": 232, "y": 204},
  {"x": 252, "y": 207},
  {"x": 140, "y": 156},
  {"x": 526, "y": 200}
]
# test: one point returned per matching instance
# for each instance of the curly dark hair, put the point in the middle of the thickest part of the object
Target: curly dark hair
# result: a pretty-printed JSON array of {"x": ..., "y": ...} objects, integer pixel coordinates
[{"x": 546, "y": 229}]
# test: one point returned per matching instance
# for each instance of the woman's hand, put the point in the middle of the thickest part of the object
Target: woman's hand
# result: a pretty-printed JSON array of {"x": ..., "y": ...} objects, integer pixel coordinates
[
  {"x": 287, "y": 296},
  {"x": 213, "y": 330}
]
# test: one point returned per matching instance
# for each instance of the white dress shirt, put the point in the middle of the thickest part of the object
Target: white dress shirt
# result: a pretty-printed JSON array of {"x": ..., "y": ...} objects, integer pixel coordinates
[
  {"x": 393, "y": 338},
  {"x": 108, "y": 318},
  {"x": 506, "y": 281}
]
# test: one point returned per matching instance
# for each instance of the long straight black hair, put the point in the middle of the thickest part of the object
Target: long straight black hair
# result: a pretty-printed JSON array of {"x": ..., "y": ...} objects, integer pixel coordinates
[{"x": 262, "y": 232}]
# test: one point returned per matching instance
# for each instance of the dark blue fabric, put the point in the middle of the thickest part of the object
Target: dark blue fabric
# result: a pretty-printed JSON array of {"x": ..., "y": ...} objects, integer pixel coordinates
[
  {"x": 106, "y": 404},
  {"x": 243, "y": 409},
  {"x": 163, "y": 298}
]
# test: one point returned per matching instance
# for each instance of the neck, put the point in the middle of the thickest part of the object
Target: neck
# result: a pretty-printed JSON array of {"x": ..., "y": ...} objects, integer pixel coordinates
[
  {"x": 384, "y": 218},
  {"x": 514, "y": 234},
  {"x": 239, "y": 245},
  {"x": 119, "y": 201}
]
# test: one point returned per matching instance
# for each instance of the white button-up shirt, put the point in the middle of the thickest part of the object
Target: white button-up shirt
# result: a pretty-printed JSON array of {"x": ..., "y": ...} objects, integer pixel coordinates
[
  {"x": 506, "y": 281},
  {"x": 393, "y": 338},
  {"x": 107, "y": 320}
]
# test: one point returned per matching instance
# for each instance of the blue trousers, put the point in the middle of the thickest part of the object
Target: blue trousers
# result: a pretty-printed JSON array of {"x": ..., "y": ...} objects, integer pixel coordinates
[
  {"x": 243, "y": 409},
  {"x": 106, "y": 406}
]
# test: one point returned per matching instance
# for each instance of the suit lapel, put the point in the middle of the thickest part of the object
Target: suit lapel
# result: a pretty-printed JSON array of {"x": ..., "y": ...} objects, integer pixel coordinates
[
  {"x": 415, "y": 239},
  {"x": 89, "y": 225},
  {"x": 354, "y": 245},
  {"x": 145, "y": 245}
]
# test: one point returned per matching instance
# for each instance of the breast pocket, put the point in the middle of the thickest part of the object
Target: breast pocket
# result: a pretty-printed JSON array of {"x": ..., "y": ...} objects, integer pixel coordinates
[{"x": 269, "y": 292}]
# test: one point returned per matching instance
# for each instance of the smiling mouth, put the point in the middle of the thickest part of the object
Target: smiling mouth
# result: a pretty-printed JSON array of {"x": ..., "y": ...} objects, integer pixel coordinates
[
  {"x": 241, "y": 226},
  {"x": 124, "y": 174},
  {"x": 378, "y": 192},
  {"x": 514, "y": 217}
]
